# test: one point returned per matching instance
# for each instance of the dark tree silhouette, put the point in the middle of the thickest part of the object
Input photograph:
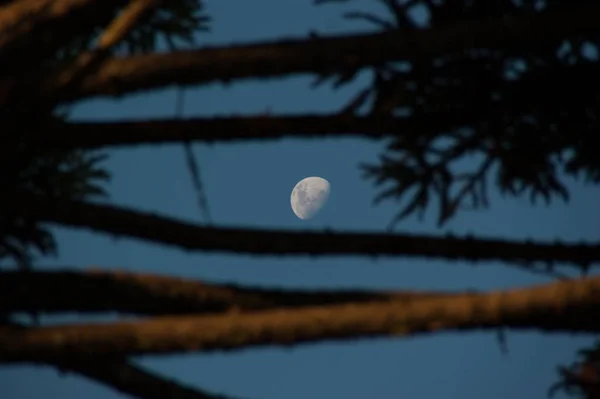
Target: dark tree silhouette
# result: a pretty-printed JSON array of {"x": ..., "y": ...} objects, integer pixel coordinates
[{"x": 515, "y": 84}]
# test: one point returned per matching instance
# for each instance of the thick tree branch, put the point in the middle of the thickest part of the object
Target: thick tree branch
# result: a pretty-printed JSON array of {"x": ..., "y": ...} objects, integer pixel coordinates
[
  {"x": 333, "y": 54},
  {"x": 168, "y": 231},
  {"x": 126, "y": 377},
  {"x": 101, "y": 134},
  {"x": 104, "y": 291},
  {"x": 568, "y": 306},
  {"x": 132, "y": 380},
  {"x": 90, "y": 134},
  {"x": 31, "y": 25},
  {"x": 88, "y": 62}
]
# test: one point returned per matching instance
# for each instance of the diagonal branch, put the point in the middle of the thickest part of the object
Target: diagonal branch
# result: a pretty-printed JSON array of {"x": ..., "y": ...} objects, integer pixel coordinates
[
  {"x": 88, "y": 62},
  {"x": 103, "y": 291},
  {"x": 126, "y": 377},
  {"x": 23, "y": 20},
  {"x": 132, "y": 380},
  {"x": 568, "y": 306},
  {"x": 33, "y": 26},
  {"x": 169, "y": 231},
  {"x": 332, "y": 54}
]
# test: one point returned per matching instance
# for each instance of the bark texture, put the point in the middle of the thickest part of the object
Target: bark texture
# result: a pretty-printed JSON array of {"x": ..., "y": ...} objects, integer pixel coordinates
[{"x": 569, "y": 306}]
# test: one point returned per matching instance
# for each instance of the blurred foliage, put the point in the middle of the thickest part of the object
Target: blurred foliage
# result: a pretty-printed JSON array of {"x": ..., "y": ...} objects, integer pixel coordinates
[
  {"x": 581, "y": 379},
  {"x": 524, "y": 119},
  {"x": 31, "y": 169},
  {"x": 174, "y": 24},
  {"x": 74, "y": 175}
]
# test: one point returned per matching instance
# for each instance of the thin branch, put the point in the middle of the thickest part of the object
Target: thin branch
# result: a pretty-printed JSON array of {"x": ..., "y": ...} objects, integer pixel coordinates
[
  {"x": 104, "y": 291},
  {"x": 570, "y": 306},
  {"x": 133, "y": 380},
  {"x": 328, "y": 55},
  {"x": 168, "y": 231}
]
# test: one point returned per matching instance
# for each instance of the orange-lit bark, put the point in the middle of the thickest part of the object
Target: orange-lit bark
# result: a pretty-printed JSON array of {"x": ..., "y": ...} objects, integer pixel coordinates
[{"x": 569, "y": 306}]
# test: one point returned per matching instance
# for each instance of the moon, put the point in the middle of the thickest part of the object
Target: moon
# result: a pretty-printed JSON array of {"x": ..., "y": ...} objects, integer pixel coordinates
[{"x": 309, "y": 196}]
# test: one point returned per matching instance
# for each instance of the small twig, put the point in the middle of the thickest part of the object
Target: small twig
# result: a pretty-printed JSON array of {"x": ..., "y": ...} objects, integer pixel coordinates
[
  {"x": 446, "y": 213},
  {"x": 192, "y": 165},
  {"x": 368, "y": 17}
]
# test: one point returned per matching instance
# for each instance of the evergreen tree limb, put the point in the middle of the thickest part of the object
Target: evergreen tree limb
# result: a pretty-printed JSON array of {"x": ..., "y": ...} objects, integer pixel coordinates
[
  {"x": 127, "y": 75},
  {"x": 567, "y": 306},
  {"x": 169, "y": 231},
  {"x": 28, "y": 21},
  {"x": 219, "y": 129},
  {"x": 119, "y": 28},
  {"x": 137, "y": 293}
]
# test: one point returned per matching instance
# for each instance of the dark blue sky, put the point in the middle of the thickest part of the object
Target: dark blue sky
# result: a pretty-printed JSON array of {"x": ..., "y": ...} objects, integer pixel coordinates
[{"x": 248, "y": 184}]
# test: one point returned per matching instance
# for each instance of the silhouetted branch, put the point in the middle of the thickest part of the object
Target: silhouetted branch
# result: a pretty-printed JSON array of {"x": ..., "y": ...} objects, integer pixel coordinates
[
  {"x": 570, "y": 306},
  {"x": 101, "y": 134},
  {"x": 25, "y": 23},
  {"x": 169, "y": 231},
  {"x": 104, "y": 291},
  {"x": 331, "y": 55},
  {"x": 87, "y": 62},
  {"x": 133, "y": 380}
]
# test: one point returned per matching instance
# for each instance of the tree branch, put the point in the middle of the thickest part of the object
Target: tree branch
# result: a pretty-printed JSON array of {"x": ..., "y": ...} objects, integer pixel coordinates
[
  {"x": 568, "y": 306},
  {"x": 27, "y": 24},
  {"x": 133, "y": 380},
  {"x": 168, "y": 231},
  {"x": 95, "y": 134},
  {"x": 101, "y": 134},
  {"x": 333, "y": 54},
  {"x": 88, "y": 62},
  {"x": 104, "y": 291}
]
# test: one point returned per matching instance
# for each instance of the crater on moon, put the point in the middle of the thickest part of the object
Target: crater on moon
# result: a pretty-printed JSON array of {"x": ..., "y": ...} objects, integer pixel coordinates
[{"x": 309, "y": 196}]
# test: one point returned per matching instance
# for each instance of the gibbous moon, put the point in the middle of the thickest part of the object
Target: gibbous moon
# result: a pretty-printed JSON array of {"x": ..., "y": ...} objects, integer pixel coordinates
[{"x": 309, "y": 196}]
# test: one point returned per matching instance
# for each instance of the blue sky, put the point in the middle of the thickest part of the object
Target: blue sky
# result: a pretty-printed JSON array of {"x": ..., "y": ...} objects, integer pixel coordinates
[{"x": 248, "y": 184}]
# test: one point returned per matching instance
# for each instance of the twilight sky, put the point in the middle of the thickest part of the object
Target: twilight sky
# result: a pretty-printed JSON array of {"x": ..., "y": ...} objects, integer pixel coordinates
[{"x": 248, "y": 184}]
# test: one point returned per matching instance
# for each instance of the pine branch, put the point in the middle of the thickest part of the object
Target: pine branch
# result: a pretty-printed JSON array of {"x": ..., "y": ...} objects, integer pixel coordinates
[
  {"x": 168, "y": 231},
  {"x": 101, "y": 134},
  {"x": 27, "y": 25},
  {"x": 133, "y": 380},
  {"x": 333, "y": 54},
  {"x": 136, "y": 293},
  {"x": 88, "y": 62},
  {"x": 568, "y": 306}
]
